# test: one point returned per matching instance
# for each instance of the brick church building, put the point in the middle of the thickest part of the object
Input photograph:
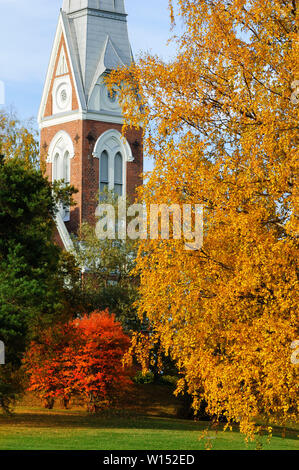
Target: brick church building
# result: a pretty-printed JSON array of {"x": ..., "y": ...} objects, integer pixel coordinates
[{"x": 80, "y": 121}]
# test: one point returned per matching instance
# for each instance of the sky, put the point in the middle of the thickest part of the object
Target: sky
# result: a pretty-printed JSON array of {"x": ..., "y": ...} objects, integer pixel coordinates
[{"x": 27, "y": 29}]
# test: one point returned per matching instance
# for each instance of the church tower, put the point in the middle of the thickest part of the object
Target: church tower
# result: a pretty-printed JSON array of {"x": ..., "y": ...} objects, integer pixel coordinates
[{"x": 80, "y": 121}]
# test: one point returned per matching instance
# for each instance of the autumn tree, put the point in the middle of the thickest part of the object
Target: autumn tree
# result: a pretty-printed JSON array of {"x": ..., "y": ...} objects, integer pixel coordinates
[
  {"x": 48, "y": 363},
  {"x": 18, "y": 140},
  {"x": 221, "y": 122},
  {"x": 99, "y": 375},
  {"x": 33, "y": 292},
  {"x": 108, "y": 281},
  {"x": 82, "y": 358}
]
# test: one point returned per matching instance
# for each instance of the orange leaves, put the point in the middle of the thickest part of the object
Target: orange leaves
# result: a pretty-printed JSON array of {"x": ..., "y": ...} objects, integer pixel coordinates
[
  {"x": 220, "y": 122},
  {"x": 17, "y": 141},
  {"x": 83, "y": 358}
]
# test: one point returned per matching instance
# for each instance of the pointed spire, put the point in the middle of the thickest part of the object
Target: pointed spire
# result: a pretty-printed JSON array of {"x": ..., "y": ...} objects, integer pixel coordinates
[
  {"x": 90, "y": 23},
  {"x": 115, "y": 6}
]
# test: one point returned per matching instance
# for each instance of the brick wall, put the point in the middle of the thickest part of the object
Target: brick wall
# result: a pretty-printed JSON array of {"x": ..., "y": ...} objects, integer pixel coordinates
[{"x": 85, "y": 168}]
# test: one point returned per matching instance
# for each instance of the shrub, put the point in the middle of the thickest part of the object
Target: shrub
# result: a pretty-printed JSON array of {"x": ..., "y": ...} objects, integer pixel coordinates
[
  {"x": 142, "y": 379},
  {"x": 84, "y": 358}
]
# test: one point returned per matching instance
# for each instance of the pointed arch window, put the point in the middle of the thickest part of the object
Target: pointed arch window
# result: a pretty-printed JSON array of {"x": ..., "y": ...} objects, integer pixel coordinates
[
  {"x": 104, "y": 171},
  {"x": 114, "y": 152},
  {"x": 66, "y": 167},
  {"x": 55, "y": 168},
  {"x": 61, "y": 171},
  {"x": 118, "y": 174},
  {"x": 61, "y": 167},
  {"x": 66, "y": 177},
  {"x": 61, "y": 151}
]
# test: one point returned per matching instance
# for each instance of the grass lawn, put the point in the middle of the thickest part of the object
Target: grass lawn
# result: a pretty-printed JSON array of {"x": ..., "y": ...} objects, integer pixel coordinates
[{"x": 34, "y": 428}]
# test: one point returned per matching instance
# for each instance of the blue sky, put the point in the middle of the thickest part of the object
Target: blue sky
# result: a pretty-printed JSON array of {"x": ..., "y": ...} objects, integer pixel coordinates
[{"x": 27, "y": 29}]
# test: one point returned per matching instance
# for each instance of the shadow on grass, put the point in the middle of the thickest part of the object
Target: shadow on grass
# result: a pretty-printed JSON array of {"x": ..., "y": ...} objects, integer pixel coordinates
[
  {"x": 114, "y": 420},
  {"x": 72, "y": 419}
]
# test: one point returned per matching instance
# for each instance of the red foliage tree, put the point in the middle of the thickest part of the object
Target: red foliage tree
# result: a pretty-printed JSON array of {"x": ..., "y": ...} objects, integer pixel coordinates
[
  {"x": 99, "y": 373},
  {"x": 47, "y": 365},
  {"x": 83, "y": 357}
]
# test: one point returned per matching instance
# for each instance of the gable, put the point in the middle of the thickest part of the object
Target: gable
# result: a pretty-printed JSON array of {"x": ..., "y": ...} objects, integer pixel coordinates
[
  {"x": 61, "y": 82},
  {"x": 63, "y": 72},
  {"x": 87, "y": 45}
]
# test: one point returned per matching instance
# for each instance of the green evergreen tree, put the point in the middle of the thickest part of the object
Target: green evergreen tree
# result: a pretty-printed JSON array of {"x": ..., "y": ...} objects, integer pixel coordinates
[{"x": 32, "y": 289}]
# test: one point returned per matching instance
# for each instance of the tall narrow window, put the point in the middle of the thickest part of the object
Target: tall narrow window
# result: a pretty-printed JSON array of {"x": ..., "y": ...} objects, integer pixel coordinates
[
  {"x": 104, "y": 172},
  {"x": 66, "y": 167},
  {"x": 61, "y": 152},
  {"x": 55, "y": 167},
  {"x": 118, "y": 174},
  {"x": 66, "y": 178}
]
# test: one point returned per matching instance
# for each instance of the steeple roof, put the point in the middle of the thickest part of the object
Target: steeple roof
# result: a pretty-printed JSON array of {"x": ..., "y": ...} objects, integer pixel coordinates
[
  {"x": 99, "y": 35},
  {"x": 97, "y": 41}
]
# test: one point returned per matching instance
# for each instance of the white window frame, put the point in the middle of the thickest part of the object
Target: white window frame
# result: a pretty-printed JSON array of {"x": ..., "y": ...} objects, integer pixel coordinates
[
  {"x": 61, "y": 145},
  {"x": 113, "y": 143}
]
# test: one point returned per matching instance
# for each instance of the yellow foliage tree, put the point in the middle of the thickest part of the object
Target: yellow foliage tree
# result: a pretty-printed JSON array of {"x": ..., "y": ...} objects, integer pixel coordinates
[
  {"x": 221, "y": 121},
  {"x": 17, "y": 140}
]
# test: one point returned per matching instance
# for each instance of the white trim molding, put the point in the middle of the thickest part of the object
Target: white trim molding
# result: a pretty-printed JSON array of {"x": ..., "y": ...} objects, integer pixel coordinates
[
  {"x": 60, "y": 143},
  {"x": 112, "y": 137},
  {"x": 79, "y": 116},
  {"x": 63, "y": 30},
  {"x": 61, "y": 151},
  {"x": 62, "y": 95},
  {"x": 64, "y": 234},
  {"x": 113, "y": 143}
]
